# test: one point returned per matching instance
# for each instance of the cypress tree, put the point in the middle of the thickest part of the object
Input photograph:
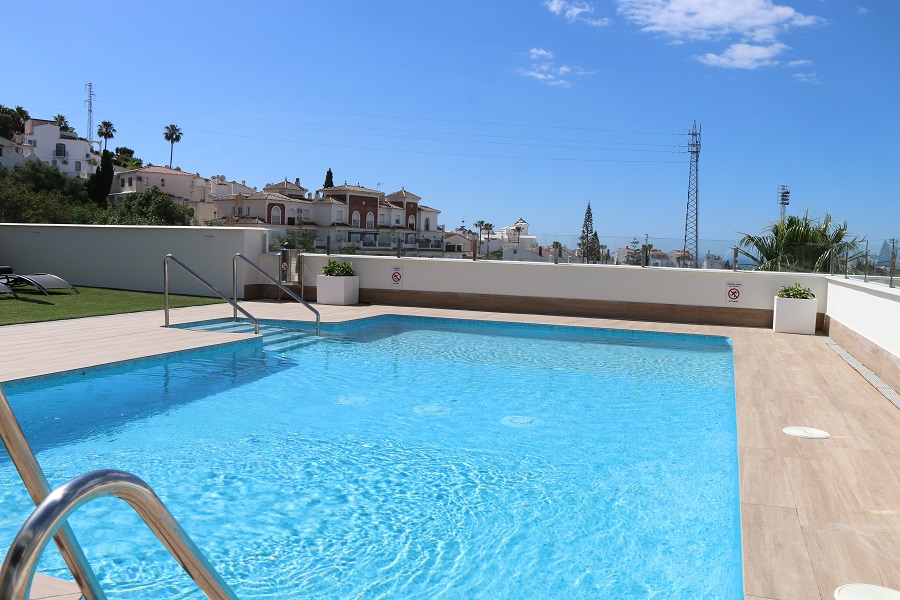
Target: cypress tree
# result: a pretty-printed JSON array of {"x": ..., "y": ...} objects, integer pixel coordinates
[
  {"x": 329, "y": 180},
  {"x": 99, "y": 184}
]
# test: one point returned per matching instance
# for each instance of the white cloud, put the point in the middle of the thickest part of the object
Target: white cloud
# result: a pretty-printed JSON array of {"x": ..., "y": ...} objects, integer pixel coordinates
[
  {"x": 806, "y": 77},
  {"x": 744, "y": 56},
  {"x": 862, "y": 10},
  {"x": 547, "y": 71},
  {"x": 576, "y": 11},
  {"x": 757, "y": 20},
  {"x": 798, "y": 63}
]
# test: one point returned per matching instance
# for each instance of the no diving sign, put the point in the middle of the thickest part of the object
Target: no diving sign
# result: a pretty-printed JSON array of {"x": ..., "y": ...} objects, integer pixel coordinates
[
  {"x": 397, "y": 276},
  {"x": 733, "y": 293}
]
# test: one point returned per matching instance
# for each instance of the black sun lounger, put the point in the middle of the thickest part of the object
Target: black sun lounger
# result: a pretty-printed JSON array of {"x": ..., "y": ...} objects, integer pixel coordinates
[
  {"x": 7, "y": 290},
  {"x": 42, "y": 281}
]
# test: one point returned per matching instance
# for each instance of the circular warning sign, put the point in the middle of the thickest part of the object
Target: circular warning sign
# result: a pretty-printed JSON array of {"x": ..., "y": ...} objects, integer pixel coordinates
[
  {"x": 284, "y": 266},
  {"x": 396, "y": 276},
  {"x": 734, "y": 293}
]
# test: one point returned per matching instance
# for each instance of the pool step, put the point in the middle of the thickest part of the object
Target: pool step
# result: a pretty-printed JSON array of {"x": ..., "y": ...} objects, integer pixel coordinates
[{"x": 275, "y": 339}]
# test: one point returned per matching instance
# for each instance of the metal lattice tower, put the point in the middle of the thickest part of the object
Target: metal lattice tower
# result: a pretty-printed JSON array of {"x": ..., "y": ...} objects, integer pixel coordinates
[
  {"x": 691, "y": 228},
  {"x": 784, "y": 198},
  {"x": 90, "y": 106}
]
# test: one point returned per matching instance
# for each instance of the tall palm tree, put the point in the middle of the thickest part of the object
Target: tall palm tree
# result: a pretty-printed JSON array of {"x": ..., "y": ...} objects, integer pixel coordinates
[
  {"x": 106, "y": 131},
  {"x": 63, "y": 122},
  {"x": 21, "y": 116},
  {"x": 489, "y": 227},
  {"x": 172, "y": 135},
  {"x": 798, "y": 243},
  {"x": 480, "y": 226}
]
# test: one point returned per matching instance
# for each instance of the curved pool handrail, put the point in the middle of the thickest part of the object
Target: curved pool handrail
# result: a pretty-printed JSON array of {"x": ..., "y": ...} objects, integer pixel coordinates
[
  {"x": 204, "y": 282},
  {"x": 281, "y": 286},
  {"x": 21, "y": 561}
]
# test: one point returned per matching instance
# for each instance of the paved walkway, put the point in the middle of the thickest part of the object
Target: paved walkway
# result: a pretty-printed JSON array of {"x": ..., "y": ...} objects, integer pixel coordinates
[{"x": 816, "y": 513}]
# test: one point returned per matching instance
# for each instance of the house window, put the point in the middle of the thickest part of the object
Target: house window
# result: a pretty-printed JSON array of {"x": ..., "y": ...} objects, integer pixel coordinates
[
  {"x": 1, "y": 150},
  {"x": 381, "y": 219},
  {"x": 121, "y": 182},
  {"x": 240, "y": 210},
  {"x": 32, "y": 143},
  {"x": 129, "y": 182},
  {"x": 340, "y": 216},
  {"x": 77, "y": 162},
  {"x": 427, "y": 224},
  {"x": 60, "y": 150},
  {"x": 162, "y": 183},
  {"x": 412, "y": 222},
  {"x": 370, "y": 221},
  {"x": 276, "y": 216},
  {"x": 354, "y": 220},
  {"x": 53, "y": 162},
  {"x": 396, "y": 220}
]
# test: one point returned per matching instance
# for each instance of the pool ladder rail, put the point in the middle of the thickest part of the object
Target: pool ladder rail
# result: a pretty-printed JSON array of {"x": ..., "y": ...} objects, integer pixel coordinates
[
  {"x": 49, "y": 521},
  {"x": 233, "y": 300}
]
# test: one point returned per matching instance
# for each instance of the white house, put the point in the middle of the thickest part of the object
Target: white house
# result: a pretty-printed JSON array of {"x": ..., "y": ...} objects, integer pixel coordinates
[
  {"x": 64, "y": 150},
  {"x": 12, "y": 154}
]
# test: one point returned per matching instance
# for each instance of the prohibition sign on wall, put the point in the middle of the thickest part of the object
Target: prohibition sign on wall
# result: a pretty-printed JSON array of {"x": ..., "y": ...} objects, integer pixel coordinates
[
  {"x": 284, "y": 266},
  {"x": 734, "y": 294},
  {"x": 397, "y": 276}
]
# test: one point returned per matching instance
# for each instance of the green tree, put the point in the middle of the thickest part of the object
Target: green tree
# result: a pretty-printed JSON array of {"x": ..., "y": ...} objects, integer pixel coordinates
[
  {"x": 12, "y": 121},
  {"x": 47, "y": 178},
  {"x": 587, "y": 232},
  {"x": 594, "y": 248},
  {"x": 106, "y": 131},
  {"x": 63, "y": 122},
  {"x": 150, "y": 207},
  {"x": 124, "y": 157},
  {"x": 329, "y": 180},
  {"x": 100, "y": 183},
  {"x": 488, "y": 227},
  {"x": 480, "y": 225},
  {"x": 172, "y": 135},
  {"x": 798, "y": 243},
  {"x": 634, "y": 256}
]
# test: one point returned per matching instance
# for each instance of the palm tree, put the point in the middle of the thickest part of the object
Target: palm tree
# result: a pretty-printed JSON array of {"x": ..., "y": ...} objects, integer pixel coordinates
[
  {"x": 489, "y": 227},
  {"x": 172, "y": 135},
  {"x": 63, "y": 122},
  {"x": 480, "y": 226},
  {"x": 106, "y": 131},
  {"x": 798, "y": 243},
  {"x": 21, "y": 116}
]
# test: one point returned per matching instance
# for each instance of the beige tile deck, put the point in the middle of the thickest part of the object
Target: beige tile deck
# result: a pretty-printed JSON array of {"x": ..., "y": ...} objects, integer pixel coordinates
[{"x": 816, "y": 513}]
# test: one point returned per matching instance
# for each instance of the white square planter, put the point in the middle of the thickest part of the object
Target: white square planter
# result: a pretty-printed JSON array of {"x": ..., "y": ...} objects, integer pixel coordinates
[
  {"x": 795, "y": 315},
  {"x": 341, "y": 291}
]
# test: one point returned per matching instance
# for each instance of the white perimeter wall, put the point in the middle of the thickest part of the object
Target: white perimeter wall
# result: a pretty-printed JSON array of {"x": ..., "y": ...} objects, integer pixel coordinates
[
  {"x": 588, "y": 282},
  {"x": 871, "y": 310},
  {"x": 131, "y": 257}
]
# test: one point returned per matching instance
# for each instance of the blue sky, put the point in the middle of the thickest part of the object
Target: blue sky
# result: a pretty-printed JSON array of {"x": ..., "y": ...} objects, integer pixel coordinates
[{"x": 502, "y": 109}]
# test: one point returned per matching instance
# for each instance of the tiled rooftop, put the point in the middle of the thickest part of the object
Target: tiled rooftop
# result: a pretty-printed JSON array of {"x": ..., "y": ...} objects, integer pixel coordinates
[{"x": 816, "y": 513}]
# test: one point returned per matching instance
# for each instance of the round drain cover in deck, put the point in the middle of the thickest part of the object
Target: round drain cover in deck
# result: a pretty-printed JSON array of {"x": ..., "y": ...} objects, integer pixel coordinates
[
  {"x": 807, "y": 432},
  {"x": 864, "y": 591}
]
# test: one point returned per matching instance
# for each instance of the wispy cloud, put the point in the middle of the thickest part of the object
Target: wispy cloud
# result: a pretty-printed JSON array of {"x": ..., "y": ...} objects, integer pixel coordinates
[
  {"x": 806, "y": 77},
  {"x": 545, "y": 70},
  {"x": 862, "y": 10},
  {"x": 756, "y": 25},
  {"x": 744, "y": 56},
  {"x": 581, "y": 12},
  {"x": 798, "y": 63}
]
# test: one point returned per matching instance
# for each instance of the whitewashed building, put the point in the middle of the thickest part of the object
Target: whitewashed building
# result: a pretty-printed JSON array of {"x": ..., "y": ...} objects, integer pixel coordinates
[{"x": 44, "y": 141}]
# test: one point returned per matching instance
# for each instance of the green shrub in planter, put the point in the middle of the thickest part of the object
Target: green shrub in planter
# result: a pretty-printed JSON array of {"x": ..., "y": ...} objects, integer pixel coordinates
[
  {"x": 795, "y": 291},
  {"x": 336, "y": 269}
]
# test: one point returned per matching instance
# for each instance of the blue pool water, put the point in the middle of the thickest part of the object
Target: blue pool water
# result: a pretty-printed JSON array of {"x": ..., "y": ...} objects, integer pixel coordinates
[{"x": 409, "y": 458}]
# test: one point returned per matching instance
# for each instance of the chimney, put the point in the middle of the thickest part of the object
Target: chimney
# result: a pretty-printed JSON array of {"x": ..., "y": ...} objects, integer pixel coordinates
[
  {"x": 540, "y": 250},
  {"x": 297, "y": 181},
  {"x": 243, "y": 182}
]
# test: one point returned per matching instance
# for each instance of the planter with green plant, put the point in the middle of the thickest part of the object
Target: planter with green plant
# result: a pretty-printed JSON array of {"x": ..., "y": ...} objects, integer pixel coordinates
[
  {"x": 337, "y": 284},
  {"x": 795, "y": 310}
]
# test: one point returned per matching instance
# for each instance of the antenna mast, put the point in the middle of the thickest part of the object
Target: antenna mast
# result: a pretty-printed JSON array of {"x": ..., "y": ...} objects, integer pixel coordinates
[
  {"x": 691, "y": 227},
  {"x": 90, "y": 106},
  {"x": 784, "y": 198}
]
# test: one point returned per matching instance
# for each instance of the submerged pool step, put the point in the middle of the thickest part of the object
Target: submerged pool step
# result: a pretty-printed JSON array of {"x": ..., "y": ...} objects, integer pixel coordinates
[{"x": 275, "y": 339}]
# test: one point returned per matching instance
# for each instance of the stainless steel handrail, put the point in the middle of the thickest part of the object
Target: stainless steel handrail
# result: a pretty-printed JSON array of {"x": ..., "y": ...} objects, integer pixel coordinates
[
  {"x": 21, "y": 561},
  {"x": 270, "y": 278},
  {"x": 38, "y": 488},
  {"x": 204, "y": 282}
]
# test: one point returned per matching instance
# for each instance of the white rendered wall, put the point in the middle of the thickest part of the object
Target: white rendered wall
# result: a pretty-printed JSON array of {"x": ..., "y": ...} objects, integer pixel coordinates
[
  {"x": 693, "y": 287},
  {"x": 131, "y": 258},
  {"x": 871, "y": 310}
]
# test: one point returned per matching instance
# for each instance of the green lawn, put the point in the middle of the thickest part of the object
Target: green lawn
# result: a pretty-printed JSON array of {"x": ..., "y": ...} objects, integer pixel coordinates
[{"x": 32, "y": 306}]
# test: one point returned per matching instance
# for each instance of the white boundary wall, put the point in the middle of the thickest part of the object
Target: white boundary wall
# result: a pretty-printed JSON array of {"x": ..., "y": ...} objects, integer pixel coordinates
[
  {"x": 131, "y": 258},
  {"x": 871, "y": 310},
  {"x": 692, "y": 287}
]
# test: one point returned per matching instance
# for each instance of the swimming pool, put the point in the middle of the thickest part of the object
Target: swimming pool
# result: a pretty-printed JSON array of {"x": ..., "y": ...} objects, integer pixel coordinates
[{"x": 414, "y": 458}]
